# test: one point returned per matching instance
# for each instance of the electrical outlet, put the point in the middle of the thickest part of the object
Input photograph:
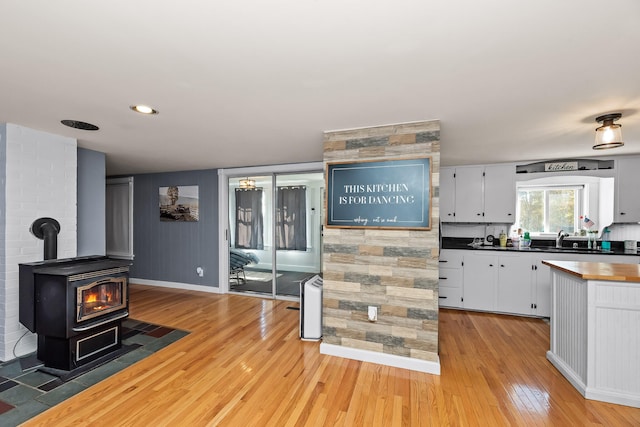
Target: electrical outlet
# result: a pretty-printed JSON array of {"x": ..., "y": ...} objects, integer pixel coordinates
[
  {"x": 373, "y": 313},
  {"x": 200, "y": 271}
]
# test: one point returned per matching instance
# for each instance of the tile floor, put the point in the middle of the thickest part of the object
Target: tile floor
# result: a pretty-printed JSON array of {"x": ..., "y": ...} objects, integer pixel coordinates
[{"x": 25, "y": 391}]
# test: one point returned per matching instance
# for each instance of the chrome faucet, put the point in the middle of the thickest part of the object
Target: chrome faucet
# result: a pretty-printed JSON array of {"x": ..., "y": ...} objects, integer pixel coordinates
[{"x": 560, "y": 238}]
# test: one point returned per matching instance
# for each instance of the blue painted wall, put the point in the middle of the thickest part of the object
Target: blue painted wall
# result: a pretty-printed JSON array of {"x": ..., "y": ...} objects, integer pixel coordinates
[
  {"x": 171, "y": 251},
  {"x": 91, "y": 239}
]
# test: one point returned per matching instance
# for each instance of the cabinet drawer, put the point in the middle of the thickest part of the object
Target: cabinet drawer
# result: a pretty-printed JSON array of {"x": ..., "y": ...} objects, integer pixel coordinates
[
  {"x": 450, "y": 277},
  {"x": 450, "y": 258},
  {"x": 449, "y": 297}
]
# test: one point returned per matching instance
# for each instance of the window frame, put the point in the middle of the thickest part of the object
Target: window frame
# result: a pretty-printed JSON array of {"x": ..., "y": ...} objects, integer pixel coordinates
[{"x": 580, "y": 201}]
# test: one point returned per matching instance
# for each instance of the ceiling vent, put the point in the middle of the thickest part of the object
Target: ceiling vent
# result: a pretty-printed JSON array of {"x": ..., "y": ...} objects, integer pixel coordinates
[{"x": 79, "y": 125}]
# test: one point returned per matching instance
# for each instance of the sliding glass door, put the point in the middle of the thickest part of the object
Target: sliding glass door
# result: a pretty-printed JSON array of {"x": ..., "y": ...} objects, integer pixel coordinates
[
  {"x": 251, "y": 230},
  {"x": 297, "y": 230},
  {"x": 275, "y": 232}
]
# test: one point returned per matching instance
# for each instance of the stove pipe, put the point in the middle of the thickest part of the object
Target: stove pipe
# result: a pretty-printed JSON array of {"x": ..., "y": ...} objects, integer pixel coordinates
[{"x": 47, "y": 229}]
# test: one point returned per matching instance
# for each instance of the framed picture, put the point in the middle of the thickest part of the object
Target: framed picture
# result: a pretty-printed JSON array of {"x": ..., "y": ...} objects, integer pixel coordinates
[
  {"x": 179, "y": 203},
  {"x": 380, "y": 194}
]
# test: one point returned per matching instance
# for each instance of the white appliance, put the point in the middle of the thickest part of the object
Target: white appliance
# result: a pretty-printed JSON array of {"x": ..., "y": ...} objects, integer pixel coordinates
[{"x": 311, "y": 308}]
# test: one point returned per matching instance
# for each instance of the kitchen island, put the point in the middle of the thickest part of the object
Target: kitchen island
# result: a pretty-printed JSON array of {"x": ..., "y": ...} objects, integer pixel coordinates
[{"x": 595, "y": 328}]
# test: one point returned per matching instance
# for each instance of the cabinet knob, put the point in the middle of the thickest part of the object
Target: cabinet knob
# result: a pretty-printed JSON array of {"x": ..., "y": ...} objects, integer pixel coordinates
[
  {"x": 442, "y": 297},
  {"x": 442, "y": 278},
  {"x": 443, "y": 260},
  {"x": 501, "y": 265},
  {"x": 623, "y": 213},
  {"x": 490, "y": 265},
  {"x": 508, "y": 214}
]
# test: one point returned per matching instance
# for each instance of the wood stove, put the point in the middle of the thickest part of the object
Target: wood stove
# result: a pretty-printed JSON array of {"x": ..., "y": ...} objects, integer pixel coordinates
[{"x": 76, "y": 307}]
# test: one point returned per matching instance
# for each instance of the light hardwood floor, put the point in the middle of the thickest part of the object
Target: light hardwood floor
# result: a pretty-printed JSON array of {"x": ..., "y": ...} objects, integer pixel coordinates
[{"x": 244, "y": 365}]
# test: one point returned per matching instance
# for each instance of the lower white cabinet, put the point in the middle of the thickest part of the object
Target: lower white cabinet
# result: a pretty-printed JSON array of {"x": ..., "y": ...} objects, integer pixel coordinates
[
  {"x": 515, "y": 275},
  {"x": 451, "y": 274},
  {"x": 505, "y": 282},
  {"x": 500, "y": 283},
  {"x": 480, "y": 280}
]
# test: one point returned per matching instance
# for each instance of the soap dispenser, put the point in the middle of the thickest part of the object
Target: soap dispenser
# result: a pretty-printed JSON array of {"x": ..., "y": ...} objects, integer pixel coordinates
[{"x": 503, "y": 239}]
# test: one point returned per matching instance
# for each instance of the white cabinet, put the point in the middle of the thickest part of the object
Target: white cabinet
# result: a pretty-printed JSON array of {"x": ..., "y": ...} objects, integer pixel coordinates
[
  {"x": 499, "y": 283},
  {"x": 515, "y": 274},
  {"x": 627, "y": 203},
  {"x": 514, "y": 282},
  {"x": 541, "y": 289},
  {"x": 480, "y": 277},
  {"x": 500, "y": 193},
  {"x": 451, "y": 277},
  {"x": 447, "y": 194},
  {"x": 469, "y": 195},
  {"x": 478, "y": 194}
]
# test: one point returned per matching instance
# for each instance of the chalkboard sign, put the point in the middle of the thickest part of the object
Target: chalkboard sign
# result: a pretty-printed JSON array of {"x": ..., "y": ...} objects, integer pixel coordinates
[{"x": 380, "y": 194}]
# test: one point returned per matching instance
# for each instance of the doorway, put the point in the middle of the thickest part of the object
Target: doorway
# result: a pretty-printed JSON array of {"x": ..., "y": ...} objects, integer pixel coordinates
[{"x": 274, "y": 232}]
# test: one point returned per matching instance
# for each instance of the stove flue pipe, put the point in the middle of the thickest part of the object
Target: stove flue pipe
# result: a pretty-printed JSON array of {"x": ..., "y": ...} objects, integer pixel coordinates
[{"x": 47, "y": 229}]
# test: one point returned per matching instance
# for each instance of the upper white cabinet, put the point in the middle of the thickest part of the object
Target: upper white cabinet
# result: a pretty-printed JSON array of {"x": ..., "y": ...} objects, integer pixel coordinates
[
  {"x": 469, "y": 196},
  {"x": 627, "y": 200},
  {"x": 447, "y": 194},
  {"x": 500, "y": 193},
  {"x": 478, "y": 194}
]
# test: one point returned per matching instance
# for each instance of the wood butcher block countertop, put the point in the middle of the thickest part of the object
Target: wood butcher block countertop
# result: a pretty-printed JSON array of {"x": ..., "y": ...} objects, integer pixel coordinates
[{"x": 598, "y": 270}]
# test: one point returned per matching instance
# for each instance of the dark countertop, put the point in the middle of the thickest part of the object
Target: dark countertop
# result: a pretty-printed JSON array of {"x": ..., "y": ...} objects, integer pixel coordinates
[{"x": 538, "y": 246}]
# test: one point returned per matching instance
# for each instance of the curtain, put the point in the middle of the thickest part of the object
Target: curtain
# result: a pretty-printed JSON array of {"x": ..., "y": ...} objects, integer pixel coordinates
[
  {"x": 291, "y": 218},
  {"x": 119, "y": 233},
  {"x": 249, "y": 223}
]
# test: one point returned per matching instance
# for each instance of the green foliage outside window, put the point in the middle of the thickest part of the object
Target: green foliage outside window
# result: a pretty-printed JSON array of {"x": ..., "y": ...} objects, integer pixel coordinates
[{"x": 549, "y": 210}]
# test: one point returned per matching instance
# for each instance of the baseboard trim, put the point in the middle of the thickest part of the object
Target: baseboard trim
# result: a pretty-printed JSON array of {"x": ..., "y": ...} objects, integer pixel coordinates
[
  {"x": 382, "y": 358},
  {"x": 175, "y": 285}
]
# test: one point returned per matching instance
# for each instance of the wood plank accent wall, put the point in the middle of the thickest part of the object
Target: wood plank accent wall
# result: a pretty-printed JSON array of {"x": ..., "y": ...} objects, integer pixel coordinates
[{"x": 395, "y": 270}]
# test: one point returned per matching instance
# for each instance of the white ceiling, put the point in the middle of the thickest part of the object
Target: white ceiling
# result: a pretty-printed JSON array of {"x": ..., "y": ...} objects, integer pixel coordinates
[{"x": 244, "y": 83}]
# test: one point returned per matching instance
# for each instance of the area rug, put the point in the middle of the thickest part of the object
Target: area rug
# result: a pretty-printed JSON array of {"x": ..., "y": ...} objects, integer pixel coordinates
[
  {"x": 259, "y": 276},
  {"x": 25, "y": 391}
]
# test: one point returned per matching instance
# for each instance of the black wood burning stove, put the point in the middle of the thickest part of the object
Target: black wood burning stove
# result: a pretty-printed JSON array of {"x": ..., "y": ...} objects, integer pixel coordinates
[{"x": 76, "y": 307}]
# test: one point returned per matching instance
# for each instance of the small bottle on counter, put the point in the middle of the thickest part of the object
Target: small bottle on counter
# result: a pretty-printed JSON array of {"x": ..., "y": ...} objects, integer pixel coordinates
[
  {"x": 503, "y": 239},
  {"x": 526, "y": 240},
  {"x": 606, "y": 243}
]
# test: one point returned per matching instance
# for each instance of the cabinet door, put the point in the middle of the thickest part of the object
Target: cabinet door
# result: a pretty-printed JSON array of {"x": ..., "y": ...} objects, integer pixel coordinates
[
  {"x": 542, "y": 287},
  {"x": 447, "y": 194},
  {"x": 500, "y": 193},
  {"x": 515, "y": 272},
  {"x": 449, "y": 297},
  {"x": 469, "y": 197},
  {"x": 480, "y": 274},
  {"x": 627, "y": 200}
]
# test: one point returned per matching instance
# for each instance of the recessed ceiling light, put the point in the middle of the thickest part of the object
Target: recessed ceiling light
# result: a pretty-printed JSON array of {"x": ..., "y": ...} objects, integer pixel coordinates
[
  {"x": 143, "y": 109},
  {"x": 79, "y": 125}
]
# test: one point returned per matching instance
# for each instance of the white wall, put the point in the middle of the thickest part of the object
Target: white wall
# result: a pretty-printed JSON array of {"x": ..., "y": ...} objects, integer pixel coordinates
[{"x": 40, "y": 181}]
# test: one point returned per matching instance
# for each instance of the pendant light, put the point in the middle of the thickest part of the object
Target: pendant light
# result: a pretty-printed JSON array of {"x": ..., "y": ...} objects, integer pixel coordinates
[
  {"x": 609, "y": 135},
  {"x": 247, "y": 184}
]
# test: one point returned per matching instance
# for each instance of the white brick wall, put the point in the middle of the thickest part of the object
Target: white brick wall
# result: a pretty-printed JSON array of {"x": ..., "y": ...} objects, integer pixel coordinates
[{"x": 40, "y": 181}]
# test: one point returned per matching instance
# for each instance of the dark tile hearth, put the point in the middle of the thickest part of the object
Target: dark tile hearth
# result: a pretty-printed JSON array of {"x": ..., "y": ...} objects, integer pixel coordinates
[{"x": 27, "y": 388}]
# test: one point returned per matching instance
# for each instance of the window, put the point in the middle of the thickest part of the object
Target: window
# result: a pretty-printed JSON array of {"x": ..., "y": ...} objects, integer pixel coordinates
[
  {"x": 291, "y": 218},
  {"x": 549, "y": 209},
  {"x": 249, "y": 220}
]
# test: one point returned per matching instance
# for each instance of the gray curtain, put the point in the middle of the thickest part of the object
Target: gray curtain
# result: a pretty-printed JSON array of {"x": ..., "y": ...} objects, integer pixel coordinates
[
  {"x": 249, "y": 222},
  {"x": 291, "y": 218}
]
